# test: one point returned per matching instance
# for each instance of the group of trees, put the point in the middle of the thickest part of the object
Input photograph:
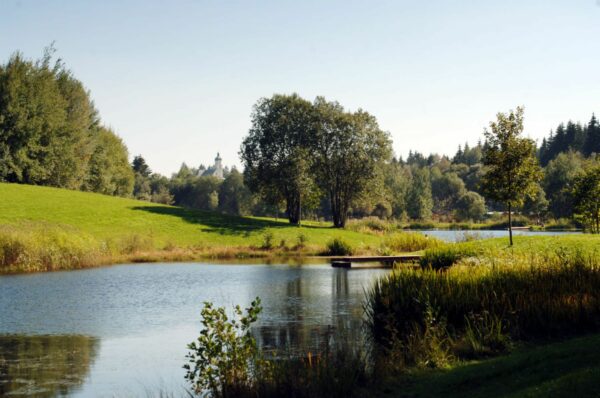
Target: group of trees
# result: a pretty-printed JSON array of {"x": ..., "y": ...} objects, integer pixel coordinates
[
  {"x": 299, "y": 153},
  {"x": 50, "y": 132},
  {"x": 574, "y": 137},
  {"x": 305, "y": 159}
]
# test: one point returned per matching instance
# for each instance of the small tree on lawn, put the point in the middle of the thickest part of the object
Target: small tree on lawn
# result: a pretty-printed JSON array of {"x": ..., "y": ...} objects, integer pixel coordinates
[
  {"x": 512, "y": 169},
  {"x": 587, "y": 199}
]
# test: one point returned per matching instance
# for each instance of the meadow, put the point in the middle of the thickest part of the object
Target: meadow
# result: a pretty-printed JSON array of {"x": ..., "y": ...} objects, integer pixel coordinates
[{"x": 44, "y": 228}]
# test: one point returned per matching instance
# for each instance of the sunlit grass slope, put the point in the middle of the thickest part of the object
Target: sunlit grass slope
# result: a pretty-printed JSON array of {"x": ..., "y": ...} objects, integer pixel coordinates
[{"x": 121, "y": 221}]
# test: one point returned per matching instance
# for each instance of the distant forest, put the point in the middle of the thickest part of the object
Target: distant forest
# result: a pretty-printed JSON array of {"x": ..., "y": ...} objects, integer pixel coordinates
[{"x": 51, "y": 134}]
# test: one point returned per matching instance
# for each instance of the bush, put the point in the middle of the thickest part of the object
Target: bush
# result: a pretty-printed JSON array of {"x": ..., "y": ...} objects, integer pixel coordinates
[
  {"x": 225, "y": 361},
  {"x": 267, "y": 242},
  {"x": 221, "y": 359},
  {"x": 301, "y": 240},
  {"x": 338, "y": 247}
]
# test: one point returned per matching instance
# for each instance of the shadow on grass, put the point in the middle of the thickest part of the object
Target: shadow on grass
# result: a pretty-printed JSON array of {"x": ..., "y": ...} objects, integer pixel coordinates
[
  {"x": 563, "y": 369},
  {"x": 219, "y": 223}
]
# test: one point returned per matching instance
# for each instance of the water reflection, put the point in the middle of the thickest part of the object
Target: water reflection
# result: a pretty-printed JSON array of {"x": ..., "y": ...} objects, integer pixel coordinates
[
  {"x": 44, "y": 366},
  {"x": 338, "y": 319},
  {"x": 145, "y": 315}
]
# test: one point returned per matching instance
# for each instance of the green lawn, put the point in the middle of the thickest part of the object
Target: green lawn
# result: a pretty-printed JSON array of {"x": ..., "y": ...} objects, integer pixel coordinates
[
  {"x": 107, "y": 217},
  {"x": 565, "y": 369}
]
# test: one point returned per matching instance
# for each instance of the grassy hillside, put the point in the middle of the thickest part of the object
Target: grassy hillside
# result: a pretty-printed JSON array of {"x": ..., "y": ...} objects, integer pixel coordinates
[{"x": 111, "y": 227}]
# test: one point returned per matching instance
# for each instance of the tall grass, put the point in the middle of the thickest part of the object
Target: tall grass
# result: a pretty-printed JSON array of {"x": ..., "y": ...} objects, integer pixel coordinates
[
  {"x": 409, "y": 242},
  {"x": 42, "y": 248},
  {"x": 483, "y": 305}
]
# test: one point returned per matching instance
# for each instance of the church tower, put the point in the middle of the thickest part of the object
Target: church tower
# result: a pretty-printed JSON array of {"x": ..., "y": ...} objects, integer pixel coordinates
[{"x": 218, "y": 167}]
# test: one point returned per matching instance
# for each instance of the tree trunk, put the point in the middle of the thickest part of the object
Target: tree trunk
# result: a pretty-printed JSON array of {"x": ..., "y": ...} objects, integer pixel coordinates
[
  {"x": 510, "y": 223},
  {"x": 293, "y": 210}
]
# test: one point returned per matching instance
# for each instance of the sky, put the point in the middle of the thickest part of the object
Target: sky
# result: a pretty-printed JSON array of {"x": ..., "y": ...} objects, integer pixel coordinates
[{"x": 177, "y": 79}]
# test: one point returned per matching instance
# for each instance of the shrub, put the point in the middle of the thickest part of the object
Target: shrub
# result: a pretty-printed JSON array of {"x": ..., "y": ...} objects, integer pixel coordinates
[
  {"x": 267, "y": 240},
  {"x": 225, "y": 361},
  {"x": 338, "y": 247},
  {"x": 301, "y": 240},
  {"x": 220, "y": 360}
]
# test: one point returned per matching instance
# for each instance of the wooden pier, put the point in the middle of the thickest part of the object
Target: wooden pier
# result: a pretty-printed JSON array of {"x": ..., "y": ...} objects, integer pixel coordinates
[{"x": 387, "y": 261}]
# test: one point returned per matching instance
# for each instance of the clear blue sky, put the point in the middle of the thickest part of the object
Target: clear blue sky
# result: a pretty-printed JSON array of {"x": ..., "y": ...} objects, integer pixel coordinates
[{"x": 177, "y": 79}]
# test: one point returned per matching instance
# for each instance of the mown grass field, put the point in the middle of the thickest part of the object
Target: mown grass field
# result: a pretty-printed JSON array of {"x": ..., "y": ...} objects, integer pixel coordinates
[{"x": 62, "y": 226}]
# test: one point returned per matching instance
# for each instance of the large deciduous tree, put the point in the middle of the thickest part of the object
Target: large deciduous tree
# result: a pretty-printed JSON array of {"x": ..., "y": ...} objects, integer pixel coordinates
[
  {"x": 275, "y": 153},
  {"x": 586, "y": 192},
  {"x": 348, "y": 152},
  {"x": 512, "y": 169}
]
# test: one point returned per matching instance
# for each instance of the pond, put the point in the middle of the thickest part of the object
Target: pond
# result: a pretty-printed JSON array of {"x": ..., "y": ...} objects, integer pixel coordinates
[{"x": 122, "y": 330}]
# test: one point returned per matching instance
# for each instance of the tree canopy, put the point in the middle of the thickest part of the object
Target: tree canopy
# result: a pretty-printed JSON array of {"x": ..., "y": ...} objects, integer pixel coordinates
[{"x": 512, "y": 169}]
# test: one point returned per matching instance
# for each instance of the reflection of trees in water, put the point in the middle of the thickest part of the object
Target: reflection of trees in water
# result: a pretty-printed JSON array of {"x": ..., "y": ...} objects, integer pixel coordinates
[
  {"x": 302, "y": 330},
  {"x": 44, "y": 366}
]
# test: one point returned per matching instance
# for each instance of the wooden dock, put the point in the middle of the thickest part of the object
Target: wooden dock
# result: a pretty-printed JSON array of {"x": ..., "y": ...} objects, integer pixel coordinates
[{"x": 388, "y": 261}]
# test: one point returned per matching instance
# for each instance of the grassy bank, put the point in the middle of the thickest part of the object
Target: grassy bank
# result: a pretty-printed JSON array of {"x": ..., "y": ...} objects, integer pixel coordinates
[
  {"x": 563, "y": 369},
  {"x": 43, "y": 228}
]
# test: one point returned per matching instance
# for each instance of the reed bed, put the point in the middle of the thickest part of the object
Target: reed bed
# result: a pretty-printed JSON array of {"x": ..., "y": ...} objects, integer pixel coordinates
[{"x": 480, "y": 304}]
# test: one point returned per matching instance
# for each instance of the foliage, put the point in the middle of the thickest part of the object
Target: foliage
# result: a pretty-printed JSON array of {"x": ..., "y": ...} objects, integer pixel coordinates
[
  {"x": 470, "y": 206},
  {"x": 221, "y": 359},
  {"x": 234, "y": 196},
  {"x": 586, "y": 191},
  {"x": 349, "y": 151},
  {"x": 267, "y": 243},
  {"x": 419, "y": 200},
  {"x": 110, "y": 173},
  {"x": 512, "y": 168},
  {"x": 559, "y": 176},
  {"x": 275, "y": 152},
  {"x": 50, "y": 133},
  {"x": 338, "y": 247}
]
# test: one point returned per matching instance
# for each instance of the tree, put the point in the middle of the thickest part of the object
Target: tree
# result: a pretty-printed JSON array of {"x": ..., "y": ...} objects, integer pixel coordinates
[
  {"x": 536, "y": 205},
  {"x": 512, "y": 169},
  {"x": 592, "y": 140},
  {"x": 234, "y": 196},
  {"x": 446, "y": 190},
  {"x": 586, "y": 192},
  {"x": 419, "y": 201},
  {"x": 46, "y": 121},
  {"x": 470, "y": 206},
  {"x": 275, "y": 152},
  {"x": 348, "y": 153},
  {"x": 140, "y": 166},
  {"x": 109, "y": 169},
  {"x": 559, "y": 176}
]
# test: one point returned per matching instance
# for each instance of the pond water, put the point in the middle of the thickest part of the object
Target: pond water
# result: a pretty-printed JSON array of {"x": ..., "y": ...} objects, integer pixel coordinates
[
  {"x": 458, "y": 235},
  {"x": 122, "y": 330}
]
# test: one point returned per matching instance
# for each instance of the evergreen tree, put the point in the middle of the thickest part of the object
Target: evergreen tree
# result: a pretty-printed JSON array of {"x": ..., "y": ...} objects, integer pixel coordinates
[{"x": 592, "y": 139}]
